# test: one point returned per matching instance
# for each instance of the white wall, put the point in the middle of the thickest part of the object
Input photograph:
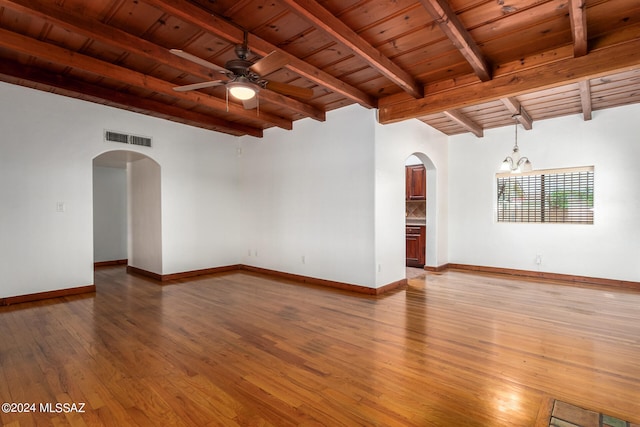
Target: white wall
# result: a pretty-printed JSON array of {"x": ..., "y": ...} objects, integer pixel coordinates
[
  {"x": 42, "y": 164},
  {"x": 334, "y": 193},
  {"x": 144, "y": 201},
  {"x": 331, "y": 192},
  {"x": 200, "y": 201},
  {"x": 46, "y": 154},
  {"x": 394, "y": 144},
  {"x": 109, "y": 213},
  {"x": 310, "y": 193},
  {"x": 608, "y": 249}
]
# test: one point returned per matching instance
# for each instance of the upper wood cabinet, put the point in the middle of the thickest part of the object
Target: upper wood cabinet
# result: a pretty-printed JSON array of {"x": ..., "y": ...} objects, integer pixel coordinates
[{"x": 416, "y": 184}]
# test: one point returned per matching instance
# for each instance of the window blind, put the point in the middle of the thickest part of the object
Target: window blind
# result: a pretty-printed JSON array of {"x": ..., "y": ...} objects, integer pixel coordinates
[{"x": 551, "y": 195}]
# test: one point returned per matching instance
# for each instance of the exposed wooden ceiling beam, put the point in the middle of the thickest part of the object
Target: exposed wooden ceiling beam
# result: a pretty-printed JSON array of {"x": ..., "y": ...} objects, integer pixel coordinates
[
  {"x": 212, "y": 24},
  {"x": 617, "y": 58},
  {"x": 578, "y": 17},
  {"x": 449, "y": 23},
  {"x": 336, "y": 29},
  {"x": 74, "y": 22},
  {"x": 520, "y": 114},
  {"x": 465, "y": 122},
  {"x": 19, "y": 74},
  {"x": 585, "y": 99},
  {"x": 292, "y": 104},
  {"x": 55, "y": 54},
  {"x": 98, "y": 31}
]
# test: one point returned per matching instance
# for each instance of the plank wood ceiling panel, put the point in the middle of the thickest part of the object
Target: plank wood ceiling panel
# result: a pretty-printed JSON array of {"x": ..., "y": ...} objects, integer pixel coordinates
[{"x": 117, "y": 52}]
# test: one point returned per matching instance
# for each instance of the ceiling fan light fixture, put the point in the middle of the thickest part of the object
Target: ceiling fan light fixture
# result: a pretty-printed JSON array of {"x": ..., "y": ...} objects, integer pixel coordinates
[{"x": 242, "y": 89}]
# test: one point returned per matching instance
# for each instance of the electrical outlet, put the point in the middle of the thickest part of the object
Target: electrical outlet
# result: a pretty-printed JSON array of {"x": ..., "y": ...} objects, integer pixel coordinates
[
  {"x": 538, "y": 259},
  {"x": 304, "y": 261}
]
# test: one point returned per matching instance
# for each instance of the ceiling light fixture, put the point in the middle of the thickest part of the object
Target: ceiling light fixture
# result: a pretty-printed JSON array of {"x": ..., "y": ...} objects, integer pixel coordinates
[
  {"x": 241, "y": 88},
  {"x": 515, "y": 163}
]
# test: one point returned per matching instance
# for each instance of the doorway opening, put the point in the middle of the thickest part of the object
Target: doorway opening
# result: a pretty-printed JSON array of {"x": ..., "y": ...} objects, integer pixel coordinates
[
  {"x": 127, "y": 210},
  {"x": 420, "y": 188}
]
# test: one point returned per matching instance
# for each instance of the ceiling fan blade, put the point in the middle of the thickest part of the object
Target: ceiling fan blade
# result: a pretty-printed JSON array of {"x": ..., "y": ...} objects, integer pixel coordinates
[
  {"x": 250, "y": 104},
  {"x": 287, "y": 89},
  {"x": 270, "y": 63},
  {"x": 201, "y": 85},
  {"x": 200, "y": 61}
]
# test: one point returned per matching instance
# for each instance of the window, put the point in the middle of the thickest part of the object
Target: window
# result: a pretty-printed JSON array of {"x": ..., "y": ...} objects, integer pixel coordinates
[{"x": 552, "y": 195}]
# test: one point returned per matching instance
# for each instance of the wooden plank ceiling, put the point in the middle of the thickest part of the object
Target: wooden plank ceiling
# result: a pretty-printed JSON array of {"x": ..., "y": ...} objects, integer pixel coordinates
[{"x": 458, "y": 65}]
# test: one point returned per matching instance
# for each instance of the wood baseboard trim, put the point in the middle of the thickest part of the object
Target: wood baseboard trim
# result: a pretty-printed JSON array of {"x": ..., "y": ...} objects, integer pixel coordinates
[
  {"x": 47, "y": 295},
  {"x": 182, "y": 275},
  {"x": 565, "y": 278},
  {"x": 202, "y": 272},
  {"x": 146, "y": 273},
  {"x": 398, "y": 284},
  {"x": 163, "y": 278},
  {"x": 329, "y": 283},
  {"x": 437, "y": 269},
  {"x": 110, "y": 263}
]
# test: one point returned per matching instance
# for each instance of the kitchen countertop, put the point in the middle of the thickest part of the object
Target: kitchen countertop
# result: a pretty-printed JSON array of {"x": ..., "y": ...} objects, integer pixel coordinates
[{"x": 416, "y": 221}]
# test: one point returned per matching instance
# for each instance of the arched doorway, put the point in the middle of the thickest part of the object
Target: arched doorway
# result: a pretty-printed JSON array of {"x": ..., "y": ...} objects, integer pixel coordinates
[
  {"x": 127, "y": 210},
  {"x": 420, "y": 211}
]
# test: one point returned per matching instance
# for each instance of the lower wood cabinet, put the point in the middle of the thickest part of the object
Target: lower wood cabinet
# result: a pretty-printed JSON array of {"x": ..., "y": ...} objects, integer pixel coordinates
[{"x": 416, "y": 245}]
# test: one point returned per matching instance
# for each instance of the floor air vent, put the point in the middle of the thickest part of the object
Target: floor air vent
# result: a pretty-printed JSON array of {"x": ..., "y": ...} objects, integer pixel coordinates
[{"x": 124, "y": 138}]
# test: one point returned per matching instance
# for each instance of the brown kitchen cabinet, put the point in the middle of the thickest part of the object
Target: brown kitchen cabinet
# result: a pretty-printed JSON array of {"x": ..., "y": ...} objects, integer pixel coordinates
[
  {"x": 416, "y": 182},
  {"x": 416, "y": 245}
]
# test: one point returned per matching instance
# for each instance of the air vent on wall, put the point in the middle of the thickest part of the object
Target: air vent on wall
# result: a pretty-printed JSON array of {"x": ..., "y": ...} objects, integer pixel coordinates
[{"x": 124, "y": 138}]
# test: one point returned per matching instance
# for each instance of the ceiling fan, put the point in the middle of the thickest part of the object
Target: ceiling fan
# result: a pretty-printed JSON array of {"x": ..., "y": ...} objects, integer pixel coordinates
[{"x": 244, "y": 77}]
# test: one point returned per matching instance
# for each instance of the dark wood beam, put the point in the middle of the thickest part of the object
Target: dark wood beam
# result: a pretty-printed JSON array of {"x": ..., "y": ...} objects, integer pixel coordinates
[
  {"x": 215, "y": 25},
  {"x": 449, "y": 23},
  {"x": 49, "y": 12},
  {"x": 613, "y": 59},
  {"x": 585, "y": 99},
  {"x": 465, "y": 122},
  {"x": 58, "y": 55},
  {"x": 62, "y": 85},
  {"x": 517, "y": 111},
  {"x": 578, "y": 17},
  {"x": 324, "y": 20}
]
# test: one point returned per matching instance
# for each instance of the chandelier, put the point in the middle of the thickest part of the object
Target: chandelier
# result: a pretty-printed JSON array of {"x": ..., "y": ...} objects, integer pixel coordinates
[{"x": 515, "y": 163}]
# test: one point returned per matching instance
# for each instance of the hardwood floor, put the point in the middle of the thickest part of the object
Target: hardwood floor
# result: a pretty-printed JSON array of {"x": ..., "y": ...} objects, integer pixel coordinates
[{"x": 452, "y": 349}]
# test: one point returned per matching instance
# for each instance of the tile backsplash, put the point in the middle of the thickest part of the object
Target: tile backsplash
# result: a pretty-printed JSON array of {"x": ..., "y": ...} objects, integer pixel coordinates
[{"x": 416, "y": 209}]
